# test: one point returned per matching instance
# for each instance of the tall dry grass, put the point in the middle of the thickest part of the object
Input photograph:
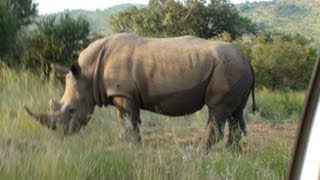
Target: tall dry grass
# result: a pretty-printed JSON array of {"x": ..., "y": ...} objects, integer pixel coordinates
[{"x": 169, "y": 149}]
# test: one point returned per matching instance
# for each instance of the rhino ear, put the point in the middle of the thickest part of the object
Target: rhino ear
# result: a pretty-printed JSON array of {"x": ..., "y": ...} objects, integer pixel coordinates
[
  {"x": 59, "y": 69},
  {"x": 75, "y": 69}
]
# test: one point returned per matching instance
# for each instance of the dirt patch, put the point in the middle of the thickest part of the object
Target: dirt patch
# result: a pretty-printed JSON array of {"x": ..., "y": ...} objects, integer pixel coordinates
[
  {"x": 264, "y": 128},
  {"x": 258, "y": 132},
  {"x": 266, "y": 134}
]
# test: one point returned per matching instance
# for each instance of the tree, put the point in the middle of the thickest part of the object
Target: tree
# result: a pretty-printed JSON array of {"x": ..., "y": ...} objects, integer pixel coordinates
[
  {"x": 280, "y": 61},
  {"x": 56, "y": 41},
  {"x": 163, "y": 18},
  {"x": 14, "y": 14}
]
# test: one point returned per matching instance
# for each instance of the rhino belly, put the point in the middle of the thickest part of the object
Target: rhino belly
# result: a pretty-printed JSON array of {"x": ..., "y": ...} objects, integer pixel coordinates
[{"x": 178, "y": 103}]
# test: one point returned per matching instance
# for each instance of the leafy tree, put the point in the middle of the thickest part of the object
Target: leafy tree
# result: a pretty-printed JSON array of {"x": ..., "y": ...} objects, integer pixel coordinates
[
  {"x": 280, "y": 61},
  {"x": 14, "y": 14},
  {"x": 56, "y": 40},
  {"x": 162, "y": 18}
]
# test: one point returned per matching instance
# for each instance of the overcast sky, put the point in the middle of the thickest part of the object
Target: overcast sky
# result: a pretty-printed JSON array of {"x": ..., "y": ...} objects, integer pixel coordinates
[{"x": 52, "y": 6}]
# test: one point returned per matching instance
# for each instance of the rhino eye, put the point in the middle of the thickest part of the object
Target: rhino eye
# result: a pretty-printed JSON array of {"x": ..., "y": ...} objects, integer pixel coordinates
[{"x": 71, "y": 110}]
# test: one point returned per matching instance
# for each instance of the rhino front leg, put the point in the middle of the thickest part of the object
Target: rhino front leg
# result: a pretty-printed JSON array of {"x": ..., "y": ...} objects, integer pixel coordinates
[{"x": 129, "y": 116}]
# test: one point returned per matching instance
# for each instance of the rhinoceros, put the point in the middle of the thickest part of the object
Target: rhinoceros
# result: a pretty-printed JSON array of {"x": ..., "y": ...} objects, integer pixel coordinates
[{"x": 170, "y": 76}]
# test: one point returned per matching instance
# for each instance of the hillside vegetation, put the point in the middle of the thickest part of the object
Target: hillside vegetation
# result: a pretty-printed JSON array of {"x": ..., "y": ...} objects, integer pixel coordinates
[
  {"x": 289, "y": 16},
  {"x": 99, "y": 19}
]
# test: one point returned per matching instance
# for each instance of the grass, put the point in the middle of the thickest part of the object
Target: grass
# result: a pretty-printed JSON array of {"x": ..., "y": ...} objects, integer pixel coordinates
[
  {"x": 279, "y": 106},
  {"x": 169, "y": 149}
]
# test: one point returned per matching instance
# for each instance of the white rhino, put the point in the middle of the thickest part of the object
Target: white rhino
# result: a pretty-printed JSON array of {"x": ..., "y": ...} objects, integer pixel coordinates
[{"x": 170, "y": 76}]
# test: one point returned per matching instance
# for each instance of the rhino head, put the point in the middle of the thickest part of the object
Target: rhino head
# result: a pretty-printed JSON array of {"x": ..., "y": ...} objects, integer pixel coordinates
[{"x": 75, "y": 107}]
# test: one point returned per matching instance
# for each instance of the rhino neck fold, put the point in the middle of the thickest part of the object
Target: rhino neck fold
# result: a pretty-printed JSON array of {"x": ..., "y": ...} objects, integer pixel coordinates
[{"x": 99, "y": 95}]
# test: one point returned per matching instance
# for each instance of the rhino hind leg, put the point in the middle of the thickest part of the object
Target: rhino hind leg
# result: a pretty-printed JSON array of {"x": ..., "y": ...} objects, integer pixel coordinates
[
  {"x": 237, "y": 125},
  {"x": 234, "y": 124},
  {"x": 215, "y": 126},
  {"x": 129, "y": 116}
]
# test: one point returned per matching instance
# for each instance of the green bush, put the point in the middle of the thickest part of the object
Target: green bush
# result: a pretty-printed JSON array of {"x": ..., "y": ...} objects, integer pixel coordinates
[
  {"x": 280, "y": 106},
  {"x": 280, "y": 61},
  {"x": 169, "y": 18},
  {"x": 56, "y": 39},
  {"x": 14, "y": 15}
]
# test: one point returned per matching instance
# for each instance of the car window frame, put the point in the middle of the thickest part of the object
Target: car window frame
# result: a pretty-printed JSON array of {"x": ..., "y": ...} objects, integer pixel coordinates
[{"x": 307, "y": 119}]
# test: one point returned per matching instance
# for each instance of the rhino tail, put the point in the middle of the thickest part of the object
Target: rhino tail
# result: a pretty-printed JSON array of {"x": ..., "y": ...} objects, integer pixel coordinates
[{"x": 254, "y": 105}]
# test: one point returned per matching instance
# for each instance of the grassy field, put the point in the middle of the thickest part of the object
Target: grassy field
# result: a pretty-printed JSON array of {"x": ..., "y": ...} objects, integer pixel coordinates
[{"x": 169, "y": 149}]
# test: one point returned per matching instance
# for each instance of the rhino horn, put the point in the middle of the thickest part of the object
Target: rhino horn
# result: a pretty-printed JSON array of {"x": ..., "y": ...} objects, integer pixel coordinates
[
  {"x": 54, "y": 105},
  {"x": 44, "y": 119}
]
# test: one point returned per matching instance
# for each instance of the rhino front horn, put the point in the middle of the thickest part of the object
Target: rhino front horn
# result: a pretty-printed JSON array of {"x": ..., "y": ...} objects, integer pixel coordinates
[{"x": 44, "y": 119}]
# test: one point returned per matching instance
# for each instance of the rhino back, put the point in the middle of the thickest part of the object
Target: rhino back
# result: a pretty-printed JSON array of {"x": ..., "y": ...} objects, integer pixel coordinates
[{"x": 172, "y": 74}]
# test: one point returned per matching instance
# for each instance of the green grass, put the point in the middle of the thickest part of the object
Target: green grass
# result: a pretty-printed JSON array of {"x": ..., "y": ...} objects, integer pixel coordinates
[
  {"x": 169, "y": 149},
  {"x": 280, "y": 106}
]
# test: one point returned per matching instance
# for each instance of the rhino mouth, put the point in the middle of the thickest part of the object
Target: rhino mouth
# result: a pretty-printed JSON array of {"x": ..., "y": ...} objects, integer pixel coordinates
[{"x": 74, "y": 125}]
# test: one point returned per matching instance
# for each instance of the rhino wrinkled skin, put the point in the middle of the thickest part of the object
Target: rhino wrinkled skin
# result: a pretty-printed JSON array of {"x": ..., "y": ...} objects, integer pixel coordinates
[{"x": 169, "y": 76}]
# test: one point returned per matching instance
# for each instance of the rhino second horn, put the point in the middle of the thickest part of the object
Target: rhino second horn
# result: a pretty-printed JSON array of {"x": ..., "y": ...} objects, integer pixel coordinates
[
  {"x": 54, "y": 105},
  {"x": 44, "y": 119}
]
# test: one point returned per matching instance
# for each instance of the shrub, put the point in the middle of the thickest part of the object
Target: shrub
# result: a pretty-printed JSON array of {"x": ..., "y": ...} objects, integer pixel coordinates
[
  {"x": 56, "y": 41},
  {"x": 280, "y": 106},
  {"x": 280, "y": 61}
]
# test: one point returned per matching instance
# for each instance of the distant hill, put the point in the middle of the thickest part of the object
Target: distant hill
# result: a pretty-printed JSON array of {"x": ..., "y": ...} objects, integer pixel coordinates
[
  {"x": 289, "y": 16},
  {"x": 98, "y": 19}
]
